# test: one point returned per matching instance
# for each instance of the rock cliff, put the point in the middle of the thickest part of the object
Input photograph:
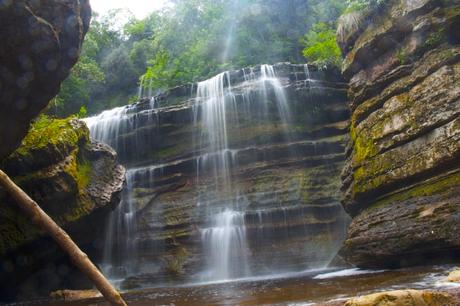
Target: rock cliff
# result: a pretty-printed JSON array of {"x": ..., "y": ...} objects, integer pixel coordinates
[
  {"x": 77, "y": 182},
  {"x": 402, "y": 176},
  {"x": 40, "y": 43},
  {"x": 286, "y": 174}
]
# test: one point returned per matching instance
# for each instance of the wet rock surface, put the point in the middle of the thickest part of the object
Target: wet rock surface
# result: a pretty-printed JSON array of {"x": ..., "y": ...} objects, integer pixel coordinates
[
  {"x": 403, "y": 297},
  {"x": 41, "y": 42},
  {"x": 286, "y": 174},
  {"x": 401, "y": 179},
  {"x": 454, "y": 276},
  {"x": 77, "y": 181}
]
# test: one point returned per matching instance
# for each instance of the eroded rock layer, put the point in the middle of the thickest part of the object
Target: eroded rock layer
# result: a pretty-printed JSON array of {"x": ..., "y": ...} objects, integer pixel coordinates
[
  {"x": 402, "y": 177},
  {"x": 41, "y": 42},
  {"x": 279, "y": 208},
  {"x": 77, "y": 182}
]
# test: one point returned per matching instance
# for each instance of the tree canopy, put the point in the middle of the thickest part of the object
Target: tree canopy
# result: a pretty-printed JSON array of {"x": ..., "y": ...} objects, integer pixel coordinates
[{"x": 191, "y": 40}]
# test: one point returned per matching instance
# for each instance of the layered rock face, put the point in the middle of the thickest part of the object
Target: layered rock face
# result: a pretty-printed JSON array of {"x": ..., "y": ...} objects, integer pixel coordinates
[
  {"x": 40, "y": 43},
  {"x": 77, "y": 182},
  {"x": 233, "y": 177},
  {"x": 402, "y": 177}
]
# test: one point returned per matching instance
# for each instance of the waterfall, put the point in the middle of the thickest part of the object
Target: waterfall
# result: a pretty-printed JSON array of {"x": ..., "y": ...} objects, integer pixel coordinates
[
  {"x": 225, "y": 243},
  {"x": 121, "y": 233},
  {"x": 224, "y": 238},
  {"x": 240, "y": 213},
  {"x": 224, "y": 235}
]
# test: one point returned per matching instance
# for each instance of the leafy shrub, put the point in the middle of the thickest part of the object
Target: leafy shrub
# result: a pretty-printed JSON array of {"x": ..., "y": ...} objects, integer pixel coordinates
[
  {"x": 321, "y": 46},
  {"x": 82, "y": 113}
]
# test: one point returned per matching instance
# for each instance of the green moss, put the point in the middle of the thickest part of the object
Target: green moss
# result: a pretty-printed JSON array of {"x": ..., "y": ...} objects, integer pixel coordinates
[
  {"x": 251, "y": 132},
  {"x": 389, "y": 167},
  {"x": 80, "y": 171},
  {"x": 402, "y": 56},
  {"x": 175, "y": 263},
  {"x": 169, "y": 152},
  {"x": 15, "y": 228},
  {"x": 83, "y": 174},
  {"x": 46, "y": 132},
  {"x": 435, "y": 38},
  {"x": 363, "y": 146},
  {"x": 63, "y": 138},
  {"x": 432, "y": 187}
]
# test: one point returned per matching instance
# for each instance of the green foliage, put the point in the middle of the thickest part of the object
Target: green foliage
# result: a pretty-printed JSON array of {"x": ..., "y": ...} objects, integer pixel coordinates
[
  {"x": 402, "y": 56},
  {"x": 321, "y": 46},
  {"x": 199, "y": 38},
  {"x": 435, "y": 38},
  {"x": 188, "y": 42},
  {"x": 76, "y": 91},
  {"x": 360, "y": 5},
  {"x": 157, "y": 74},
  {"x": 99, "y": 72},
  {"x": 82, "y": 113}
]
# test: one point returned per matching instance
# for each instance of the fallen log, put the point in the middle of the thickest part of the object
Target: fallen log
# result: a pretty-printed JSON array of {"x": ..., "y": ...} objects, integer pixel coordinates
[{"x": 79, "y": 258}]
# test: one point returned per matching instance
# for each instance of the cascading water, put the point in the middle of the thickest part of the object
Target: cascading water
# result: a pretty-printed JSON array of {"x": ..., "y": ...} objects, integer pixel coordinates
[
  {"x": 225, "y": 244},
  {"x": 120, "y": 231},
  {"x": 224, "y": 237},
  {"x": 244, "y": 206}
]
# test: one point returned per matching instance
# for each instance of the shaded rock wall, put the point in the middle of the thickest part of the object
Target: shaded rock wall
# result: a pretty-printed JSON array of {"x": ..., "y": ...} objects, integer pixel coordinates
[
  {"x": 77, "y": 182},
  {"x": 402, "y": 177},
  {"x": 41, "y": 42},
  {"x": 287, "y": 175}
]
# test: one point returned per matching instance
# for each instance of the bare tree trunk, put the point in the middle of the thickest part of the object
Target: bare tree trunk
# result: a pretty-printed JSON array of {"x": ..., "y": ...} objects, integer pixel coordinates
[{"x": 42, "y": 220}]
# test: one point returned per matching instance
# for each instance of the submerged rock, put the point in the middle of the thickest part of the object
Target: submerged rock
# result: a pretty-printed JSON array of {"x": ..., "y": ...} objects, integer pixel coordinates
[
  {"x": 402, "y": 177},
  {"x": 76, "y": 181},
  {"x": 41, "y": 42}
]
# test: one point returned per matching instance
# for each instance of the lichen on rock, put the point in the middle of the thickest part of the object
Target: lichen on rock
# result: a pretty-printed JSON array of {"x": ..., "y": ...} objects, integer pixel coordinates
[{"x": 401, "y": 179}]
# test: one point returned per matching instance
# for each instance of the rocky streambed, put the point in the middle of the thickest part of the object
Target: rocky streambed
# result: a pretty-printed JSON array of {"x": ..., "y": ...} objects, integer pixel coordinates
[{"x": 323, "y": 287}]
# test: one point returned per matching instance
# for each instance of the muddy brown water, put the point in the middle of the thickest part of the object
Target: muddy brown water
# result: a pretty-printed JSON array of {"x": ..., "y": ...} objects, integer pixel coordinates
[{"x": 292, "y": 289}]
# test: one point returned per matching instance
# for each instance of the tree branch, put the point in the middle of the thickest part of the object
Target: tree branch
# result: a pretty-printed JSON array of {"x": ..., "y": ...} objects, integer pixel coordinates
[{"x": 42, "y": 220}]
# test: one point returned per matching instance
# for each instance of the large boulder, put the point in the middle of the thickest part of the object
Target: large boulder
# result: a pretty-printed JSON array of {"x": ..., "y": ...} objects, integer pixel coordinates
[
  {"x": 402, "y": 178},
  {"x": 41, "y": 41},
  {"x": 77, "y": 182}
]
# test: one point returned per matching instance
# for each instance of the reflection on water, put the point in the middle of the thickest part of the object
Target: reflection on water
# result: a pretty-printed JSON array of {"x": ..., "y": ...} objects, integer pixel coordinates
[{"x": 294, "y": 289}]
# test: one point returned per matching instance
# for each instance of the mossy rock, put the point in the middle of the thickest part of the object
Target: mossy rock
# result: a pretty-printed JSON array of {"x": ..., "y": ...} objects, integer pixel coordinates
[
  {"x": 48, "y": 141},
  {"x": 64, "y": 172}
]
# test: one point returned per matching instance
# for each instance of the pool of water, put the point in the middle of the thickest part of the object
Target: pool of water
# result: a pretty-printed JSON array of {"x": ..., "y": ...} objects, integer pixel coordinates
[{"x": 290, "y": 289}]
